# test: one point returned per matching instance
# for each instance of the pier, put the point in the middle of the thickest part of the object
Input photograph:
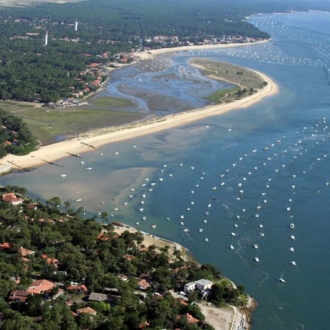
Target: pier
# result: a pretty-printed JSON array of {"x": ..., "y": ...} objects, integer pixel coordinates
[
  {"x": 22, "y": 168},
  {"x": 88, "y": 145},
  {"x": 73, "y": 155},
  {"x": 51, "y": 163}
]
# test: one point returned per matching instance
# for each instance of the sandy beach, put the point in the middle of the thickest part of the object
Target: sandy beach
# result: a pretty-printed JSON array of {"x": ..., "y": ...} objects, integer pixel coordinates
[
  {"x": 100, "y": 137},
  {"x": 152, "y": 53}
]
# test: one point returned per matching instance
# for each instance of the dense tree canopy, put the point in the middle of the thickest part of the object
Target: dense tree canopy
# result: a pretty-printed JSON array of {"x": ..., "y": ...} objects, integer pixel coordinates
[
  {"x": 95, "y": 255},
  {"x": 15, "y": 137}
]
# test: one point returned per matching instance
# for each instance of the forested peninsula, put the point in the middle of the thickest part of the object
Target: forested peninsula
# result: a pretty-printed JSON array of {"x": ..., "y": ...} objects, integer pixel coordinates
[{"x": 60, "y": 270}]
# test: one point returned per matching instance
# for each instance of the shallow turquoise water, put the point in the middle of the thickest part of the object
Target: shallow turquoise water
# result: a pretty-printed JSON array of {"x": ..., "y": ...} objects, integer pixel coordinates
[{"x": 276, "y": 151}]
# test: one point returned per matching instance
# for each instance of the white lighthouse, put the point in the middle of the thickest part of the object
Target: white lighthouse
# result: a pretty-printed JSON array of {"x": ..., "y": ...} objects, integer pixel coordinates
[
  {"x": 46, "y": 38},
  {"x": 76, "y": 25}
]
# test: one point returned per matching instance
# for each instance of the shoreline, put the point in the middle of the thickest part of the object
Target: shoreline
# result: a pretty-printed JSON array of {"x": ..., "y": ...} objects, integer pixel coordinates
[
  {"x": 229, "y": 317},
  {"x": 155, "y": 52},
  {"x": 101, "y": 137}
]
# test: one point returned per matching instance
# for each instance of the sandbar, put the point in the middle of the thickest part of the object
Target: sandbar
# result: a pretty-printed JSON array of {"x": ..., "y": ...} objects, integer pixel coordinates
[{"x": 100, "y": 137}]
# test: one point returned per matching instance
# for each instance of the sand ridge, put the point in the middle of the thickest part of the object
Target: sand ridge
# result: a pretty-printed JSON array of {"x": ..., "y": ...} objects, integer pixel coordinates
[{"x": 100, "y": 137}]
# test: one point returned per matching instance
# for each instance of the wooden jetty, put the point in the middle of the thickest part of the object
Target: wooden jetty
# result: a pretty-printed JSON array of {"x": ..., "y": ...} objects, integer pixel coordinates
[
  {"x": 51, "y": 163},
  {"x": 22, "y": 168},
  {"x": 73, "y": 155},
  {"x": 88, "y": 145}
]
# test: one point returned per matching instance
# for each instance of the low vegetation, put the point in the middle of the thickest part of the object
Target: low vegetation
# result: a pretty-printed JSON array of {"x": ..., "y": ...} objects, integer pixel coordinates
[
  {"x": 49, "y": 125},
  {"x": 247, "y": 82}
]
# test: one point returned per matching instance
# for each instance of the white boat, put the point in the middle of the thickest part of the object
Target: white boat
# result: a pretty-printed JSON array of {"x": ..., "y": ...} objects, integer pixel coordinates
[
  {"x": 256, "y": 246},
  {"x": 256, "y": 259},
  {"x": 281, "y": 280},
  {"x": 200, "y": 230},
  {"x": 256, "y": 215},
  {"x": 261, "y": 226},
  {"x": 153, "y": 226},
  {"x": 144, "y": 218},
  {"x": 78, "y": 200},
  {"x": 288, "y": 208},
  {"x": 205, "y": 221},
  {"x": 293, "y": 237},
  {"x": 89, "y": 168},
  {"x": 293, "y": 263},
  {"x": 209, "y": 205},
  {"x": 214, "y": 188},
  {"x": 291, "y": 249},
  {"x": 182, "y": 216},
  {"x": 231, "y": 247},
  {"x": 141, "y": 209},
  {"x": 63, "y": 175},
  {"x": 291, "y": 225},
  {"x": 186, "y": 230},
  {"x": 182, "y": 223},
  {"x": 262, "y": 234},
  {"x": 233, "y": 234},
  {"x": 206, "y": 239}
]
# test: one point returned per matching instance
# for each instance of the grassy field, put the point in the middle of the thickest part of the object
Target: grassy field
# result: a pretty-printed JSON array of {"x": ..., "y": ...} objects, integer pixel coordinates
[
  {"x": 47, "y": 124},
  {"x": 247, "y": 82}
]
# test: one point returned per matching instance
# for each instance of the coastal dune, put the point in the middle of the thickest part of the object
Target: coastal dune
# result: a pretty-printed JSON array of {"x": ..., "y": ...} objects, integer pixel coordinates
[{"x": 97, "y": 138}]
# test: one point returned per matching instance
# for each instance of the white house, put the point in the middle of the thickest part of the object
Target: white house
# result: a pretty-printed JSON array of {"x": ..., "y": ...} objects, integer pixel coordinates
[{"x": 200, "y": 285}]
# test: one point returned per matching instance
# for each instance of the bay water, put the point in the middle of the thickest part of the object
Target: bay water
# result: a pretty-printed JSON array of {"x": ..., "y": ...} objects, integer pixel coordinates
[{"x": 252, "y": 183}]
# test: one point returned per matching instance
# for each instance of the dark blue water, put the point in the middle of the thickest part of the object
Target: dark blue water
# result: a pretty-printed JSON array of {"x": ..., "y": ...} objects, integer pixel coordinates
[{"x": 242, "y": 178}]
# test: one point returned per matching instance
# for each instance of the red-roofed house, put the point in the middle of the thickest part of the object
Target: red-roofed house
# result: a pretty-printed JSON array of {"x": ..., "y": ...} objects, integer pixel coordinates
[
  {"x": 78, "y": 287},
  {"x": 12, "y": 199},
  {"x": 144, "y": 324},
  {"x": 25, "y": 252},
  {"x": 86, "y": 310},
  {"x": 189, "y": 318},
  {"x": 5, "y": 246},
  {"x": 18, "y": 295},
  {"x": 40, "y": 286},
  {"x": 143, "y": 284},
  {"x": 50, "y": 261}
]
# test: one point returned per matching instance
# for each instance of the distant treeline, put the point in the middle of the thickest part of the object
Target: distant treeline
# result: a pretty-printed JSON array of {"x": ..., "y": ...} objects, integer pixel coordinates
[{"x": 30, "y": 71}]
